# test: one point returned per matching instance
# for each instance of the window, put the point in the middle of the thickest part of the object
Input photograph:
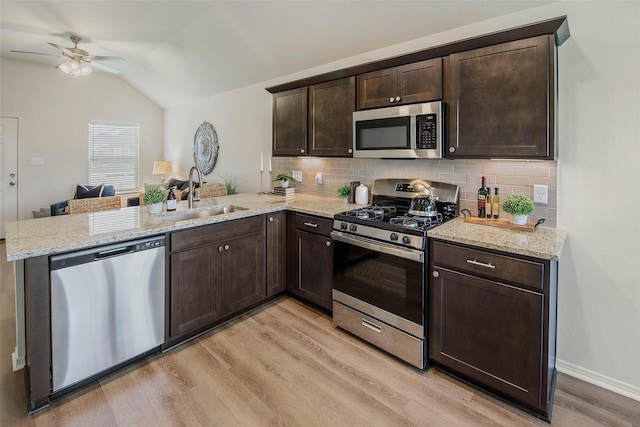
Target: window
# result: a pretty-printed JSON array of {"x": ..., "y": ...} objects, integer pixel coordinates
[{"x": 114, "y": 152}]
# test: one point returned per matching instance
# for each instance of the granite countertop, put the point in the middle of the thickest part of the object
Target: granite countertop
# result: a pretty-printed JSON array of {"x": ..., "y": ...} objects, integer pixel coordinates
[
  {"x": 544, "y": 242},
  {"x": 58, "y": 234}
]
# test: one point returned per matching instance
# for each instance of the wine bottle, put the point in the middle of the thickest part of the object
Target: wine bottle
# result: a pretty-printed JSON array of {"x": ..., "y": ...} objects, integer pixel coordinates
[
  {"x": 488, "y": 203},
  {"x": 482, "y": 199},
  {"x": 495, "y": 210}
]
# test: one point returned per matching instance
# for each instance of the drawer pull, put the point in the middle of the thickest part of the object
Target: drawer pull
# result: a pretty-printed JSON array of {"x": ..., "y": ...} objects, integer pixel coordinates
[
  {"x": 371, "y": 326},
  {"x": 481, "y": 264},
  {"x": 311, "y": 224}
]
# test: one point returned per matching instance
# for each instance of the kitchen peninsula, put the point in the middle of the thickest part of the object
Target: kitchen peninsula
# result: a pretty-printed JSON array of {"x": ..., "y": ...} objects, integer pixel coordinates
[{"x": 248, "y": 225}]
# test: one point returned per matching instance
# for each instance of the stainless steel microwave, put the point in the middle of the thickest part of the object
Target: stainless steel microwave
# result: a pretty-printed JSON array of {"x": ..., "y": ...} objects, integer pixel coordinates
[{"x": 413, "y": 131}]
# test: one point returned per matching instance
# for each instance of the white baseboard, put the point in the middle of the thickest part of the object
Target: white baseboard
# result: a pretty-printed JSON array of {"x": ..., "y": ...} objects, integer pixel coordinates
[
  {"x": 18, "y": 362},
  {"x": 600, "y": 380}
]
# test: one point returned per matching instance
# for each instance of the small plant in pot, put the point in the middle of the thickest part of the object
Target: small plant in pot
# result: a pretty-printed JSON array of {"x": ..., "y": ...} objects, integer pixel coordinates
[
  {"x": 284, "y": 178},
  {"x": 518, "y": 206},
  {"x": 344, "y": 192},
  {"x": 154, "y": 197}
]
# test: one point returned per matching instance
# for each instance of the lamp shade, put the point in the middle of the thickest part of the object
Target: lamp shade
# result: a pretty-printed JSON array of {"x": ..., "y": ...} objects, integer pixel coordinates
[{"x": 161, "y": 167}]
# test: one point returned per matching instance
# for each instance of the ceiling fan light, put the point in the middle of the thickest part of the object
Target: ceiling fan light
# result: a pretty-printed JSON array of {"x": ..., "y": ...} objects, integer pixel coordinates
[{"x": 75, "y": 68}]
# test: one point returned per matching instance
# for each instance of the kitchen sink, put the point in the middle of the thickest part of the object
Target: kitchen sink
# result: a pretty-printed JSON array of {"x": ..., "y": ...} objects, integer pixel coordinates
[{"x": 201, "y": 213}]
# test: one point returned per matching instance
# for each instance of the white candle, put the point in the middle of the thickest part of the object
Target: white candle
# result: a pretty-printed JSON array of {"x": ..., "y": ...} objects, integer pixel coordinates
[
  {"x": 270, "y": 165},
  {"x": 261, "y": 163}
]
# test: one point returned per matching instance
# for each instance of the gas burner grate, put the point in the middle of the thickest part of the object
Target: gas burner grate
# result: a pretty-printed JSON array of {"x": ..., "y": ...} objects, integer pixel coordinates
[
  {"x": 416, "y": 221},
  {"x": 372, "y": 213}
]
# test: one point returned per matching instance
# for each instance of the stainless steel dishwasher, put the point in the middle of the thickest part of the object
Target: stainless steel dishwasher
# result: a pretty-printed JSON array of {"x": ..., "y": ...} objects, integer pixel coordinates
[{"x": 107, "y": 307}]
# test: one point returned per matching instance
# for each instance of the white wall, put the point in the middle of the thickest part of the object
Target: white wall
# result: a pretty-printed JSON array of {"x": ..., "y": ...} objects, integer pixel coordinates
[
  {"x": 599, "y": 301},
  {"x": 55, "y": 110}
]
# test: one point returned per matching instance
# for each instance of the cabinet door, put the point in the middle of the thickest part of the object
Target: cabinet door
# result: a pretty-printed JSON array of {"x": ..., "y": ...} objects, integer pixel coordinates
[
  {"x": 290, "y": 122},
  {"x": 420, "y": 82},
  {"x": 315, "y": 268},
  {"x": 330, "y": 122},
  {"x": 406, "y": 84},
  {"x": 276, "y": 252},
  {"x": 502, "y": 101},
  {"x": 489, "y": 332},
  {"x": 242, "y": 272},
  {"x": 194, "y": 302},
  {"x": 377, "y": 88}
]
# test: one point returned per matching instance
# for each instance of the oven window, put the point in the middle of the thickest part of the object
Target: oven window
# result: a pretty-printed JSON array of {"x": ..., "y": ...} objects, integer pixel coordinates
[
  {"x": 391, "y": 283},
  {"x": 383, "y": 134}
]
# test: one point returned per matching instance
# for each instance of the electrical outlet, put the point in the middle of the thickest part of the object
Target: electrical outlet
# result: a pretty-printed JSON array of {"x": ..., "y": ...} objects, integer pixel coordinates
[
  {"x": 541, "y": 194},
  {"x": 37, "y": 161},
  {"x": 319, "y": 179},
  {"x": 297, "y": 175}
]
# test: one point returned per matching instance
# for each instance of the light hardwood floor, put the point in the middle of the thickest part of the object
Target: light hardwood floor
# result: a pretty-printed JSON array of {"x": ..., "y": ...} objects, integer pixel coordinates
[{"x": 284, "y": 364}]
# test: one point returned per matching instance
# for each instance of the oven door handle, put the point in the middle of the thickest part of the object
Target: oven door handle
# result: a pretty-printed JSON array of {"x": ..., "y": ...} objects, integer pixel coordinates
[{"x": 374, "y": 245}]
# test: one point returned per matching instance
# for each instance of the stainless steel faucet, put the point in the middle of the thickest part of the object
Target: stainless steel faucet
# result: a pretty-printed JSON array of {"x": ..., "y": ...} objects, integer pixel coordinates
[{"x": 191, "y": 197}]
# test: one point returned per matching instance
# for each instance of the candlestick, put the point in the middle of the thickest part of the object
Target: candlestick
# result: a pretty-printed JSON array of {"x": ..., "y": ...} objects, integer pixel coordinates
[
  {"x": 270, "y": 165},
  {"x": 261, "y": 192},
  {"x": 261, "y": 166}
]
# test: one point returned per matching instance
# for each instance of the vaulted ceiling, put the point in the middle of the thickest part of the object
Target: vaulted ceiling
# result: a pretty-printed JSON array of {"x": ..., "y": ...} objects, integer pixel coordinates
[{"x": 178, "y": 51}]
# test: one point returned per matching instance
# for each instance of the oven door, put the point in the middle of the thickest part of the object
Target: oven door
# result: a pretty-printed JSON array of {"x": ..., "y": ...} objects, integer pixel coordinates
[{"x": 388, "y": 280}]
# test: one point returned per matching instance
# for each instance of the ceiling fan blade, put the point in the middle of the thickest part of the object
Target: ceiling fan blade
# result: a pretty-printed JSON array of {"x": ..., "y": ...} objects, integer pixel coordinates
[
  {"x": 36, "y": 53},
  {"x": 103, "y": 67},
  {"x": 103, "y": 58},
  {"x": 62, "y": 48}
]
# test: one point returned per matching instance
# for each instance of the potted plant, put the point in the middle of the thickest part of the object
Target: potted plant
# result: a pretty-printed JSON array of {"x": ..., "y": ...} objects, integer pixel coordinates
[
  {"x": 344, "y": 192},
  {"x": 518, "y": 206},
  {"x": 284, "y": 178},
  {"x": 154, "y": 197}
]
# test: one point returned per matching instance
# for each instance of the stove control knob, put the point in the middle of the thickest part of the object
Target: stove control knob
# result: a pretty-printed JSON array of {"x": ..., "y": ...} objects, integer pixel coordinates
[
  {"x": 353, "y": 227},
  {"x": 406, "y": 240},
  {"x": 393, "y": 237},
  {"x": 343, "y": 226}
]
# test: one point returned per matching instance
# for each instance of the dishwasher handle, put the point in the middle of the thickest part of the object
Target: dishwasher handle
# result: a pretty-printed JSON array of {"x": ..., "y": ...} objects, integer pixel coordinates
[{"x": 113, "y": 252}]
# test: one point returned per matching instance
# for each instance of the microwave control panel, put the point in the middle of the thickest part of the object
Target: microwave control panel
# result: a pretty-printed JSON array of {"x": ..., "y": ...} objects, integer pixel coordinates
[{"x": 427, "y": 131}]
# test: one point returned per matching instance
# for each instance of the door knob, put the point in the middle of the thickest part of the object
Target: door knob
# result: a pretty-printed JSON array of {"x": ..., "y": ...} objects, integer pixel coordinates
[
  {"x": 435, "y": 274},
  {"x": 12, "y": 175},
  {"x": 12, "y": 183}
]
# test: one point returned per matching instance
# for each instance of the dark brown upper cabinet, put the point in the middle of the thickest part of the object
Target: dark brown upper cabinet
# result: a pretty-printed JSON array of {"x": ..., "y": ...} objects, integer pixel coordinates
[
  {"x": 330, "y": 121},
  {"x": 315, "y": 120},
  {"x": 501, "y": 101},
  {"x": 290, "y": 122},
  {"x": 406, "y": 84}
]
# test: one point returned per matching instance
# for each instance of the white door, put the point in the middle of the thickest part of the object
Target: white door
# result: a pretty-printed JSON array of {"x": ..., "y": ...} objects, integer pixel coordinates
[{"x": 8, "y": 171}]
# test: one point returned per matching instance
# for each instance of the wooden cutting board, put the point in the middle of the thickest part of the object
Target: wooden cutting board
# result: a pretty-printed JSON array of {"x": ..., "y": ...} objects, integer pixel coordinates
[{"x": 503, "y": 223}]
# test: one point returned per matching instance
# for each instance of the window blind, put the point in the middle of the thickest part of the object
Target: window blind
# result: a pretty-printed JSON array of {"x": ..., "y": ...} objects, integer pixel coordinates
[{"x": 114, "y": 152}]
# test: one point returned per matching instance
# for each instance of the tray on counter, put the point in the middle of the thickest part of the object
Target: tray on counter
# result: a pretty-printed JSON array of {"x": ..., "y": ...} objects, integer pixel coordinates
[{"x": 503, "y": 223}]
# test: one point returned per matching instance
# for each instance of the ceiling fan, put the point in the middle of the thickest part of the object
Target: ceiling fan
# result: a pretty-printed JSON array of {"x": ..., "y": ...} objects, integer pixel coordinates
[{"x": 78, "y": 59}]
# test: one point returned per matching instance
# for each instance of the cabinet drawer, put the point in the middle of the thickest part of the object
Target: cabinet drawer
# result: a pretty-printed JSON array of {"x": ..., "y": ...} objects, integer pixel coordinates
[
  {"x": 207, "y": 234},
  {"x": 499, "y": 267},
  {"x": 314, "y": 224}
]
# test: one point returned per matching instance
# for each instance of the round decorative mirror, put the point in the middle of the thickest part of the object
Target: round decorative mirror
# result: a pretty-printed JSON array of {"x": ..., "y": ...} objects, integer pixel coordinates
[{"x": 205, "y": 148}]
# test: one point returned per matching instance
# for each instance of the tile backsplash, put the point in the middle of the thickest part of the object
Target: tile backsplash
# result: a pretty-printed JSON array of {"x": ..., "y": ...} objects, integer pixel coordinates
[{"x": 509, "y": 176}]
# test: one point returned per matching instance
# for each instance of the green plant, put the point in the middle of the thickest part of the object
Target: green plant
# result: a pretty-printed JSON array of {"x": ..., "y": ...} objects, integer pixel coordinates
[
  {"x": 517, "y": 204},
  {"x": 230, "y": 182},
  {"x": 154, "y": 195},
  {"x": 344, "y": 191},
  {"x": 284, "y": 176}
]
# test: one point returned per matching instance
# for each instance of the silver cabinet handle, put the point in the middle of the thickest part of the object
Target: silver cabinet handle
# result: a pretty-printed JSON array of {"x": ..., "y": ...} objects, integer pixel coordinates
[
  {"x": 302, "y": 150},
  {"x": 481, "y": 264},
  {"x": 391, "y": 99},
  {"x": 435, "y": 274},
  {"x": 220, "y": 249},
  {"x": 350, "y": 150},
  {"x": 328, "y": 243},
  {"x": 311, "y": 224},
  {"x": 397, "y": 98},
  {"x": 226, "y": 247},
  {"x": 270, "y": 219},
  {"x": 452, "y": 149},
  {"x": 371, "y": 326}
]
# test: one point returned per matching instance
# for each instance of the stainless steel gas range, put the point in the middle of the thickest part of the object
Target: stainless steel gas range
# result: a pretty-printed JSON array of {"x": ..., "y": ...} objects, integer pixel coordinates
[{"x": 381, "y": 260}]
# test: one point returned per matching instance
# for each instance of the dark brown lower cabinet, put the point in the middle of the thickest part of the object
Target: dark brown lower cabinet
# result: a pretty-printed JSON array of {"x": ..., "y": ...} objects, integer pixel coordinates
[
  {"x": 310, "y": 245},
  {"x": 276, "y": 252},
  {"x": 490, "y": 322},
  {"x": 216, "y": 271}
]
